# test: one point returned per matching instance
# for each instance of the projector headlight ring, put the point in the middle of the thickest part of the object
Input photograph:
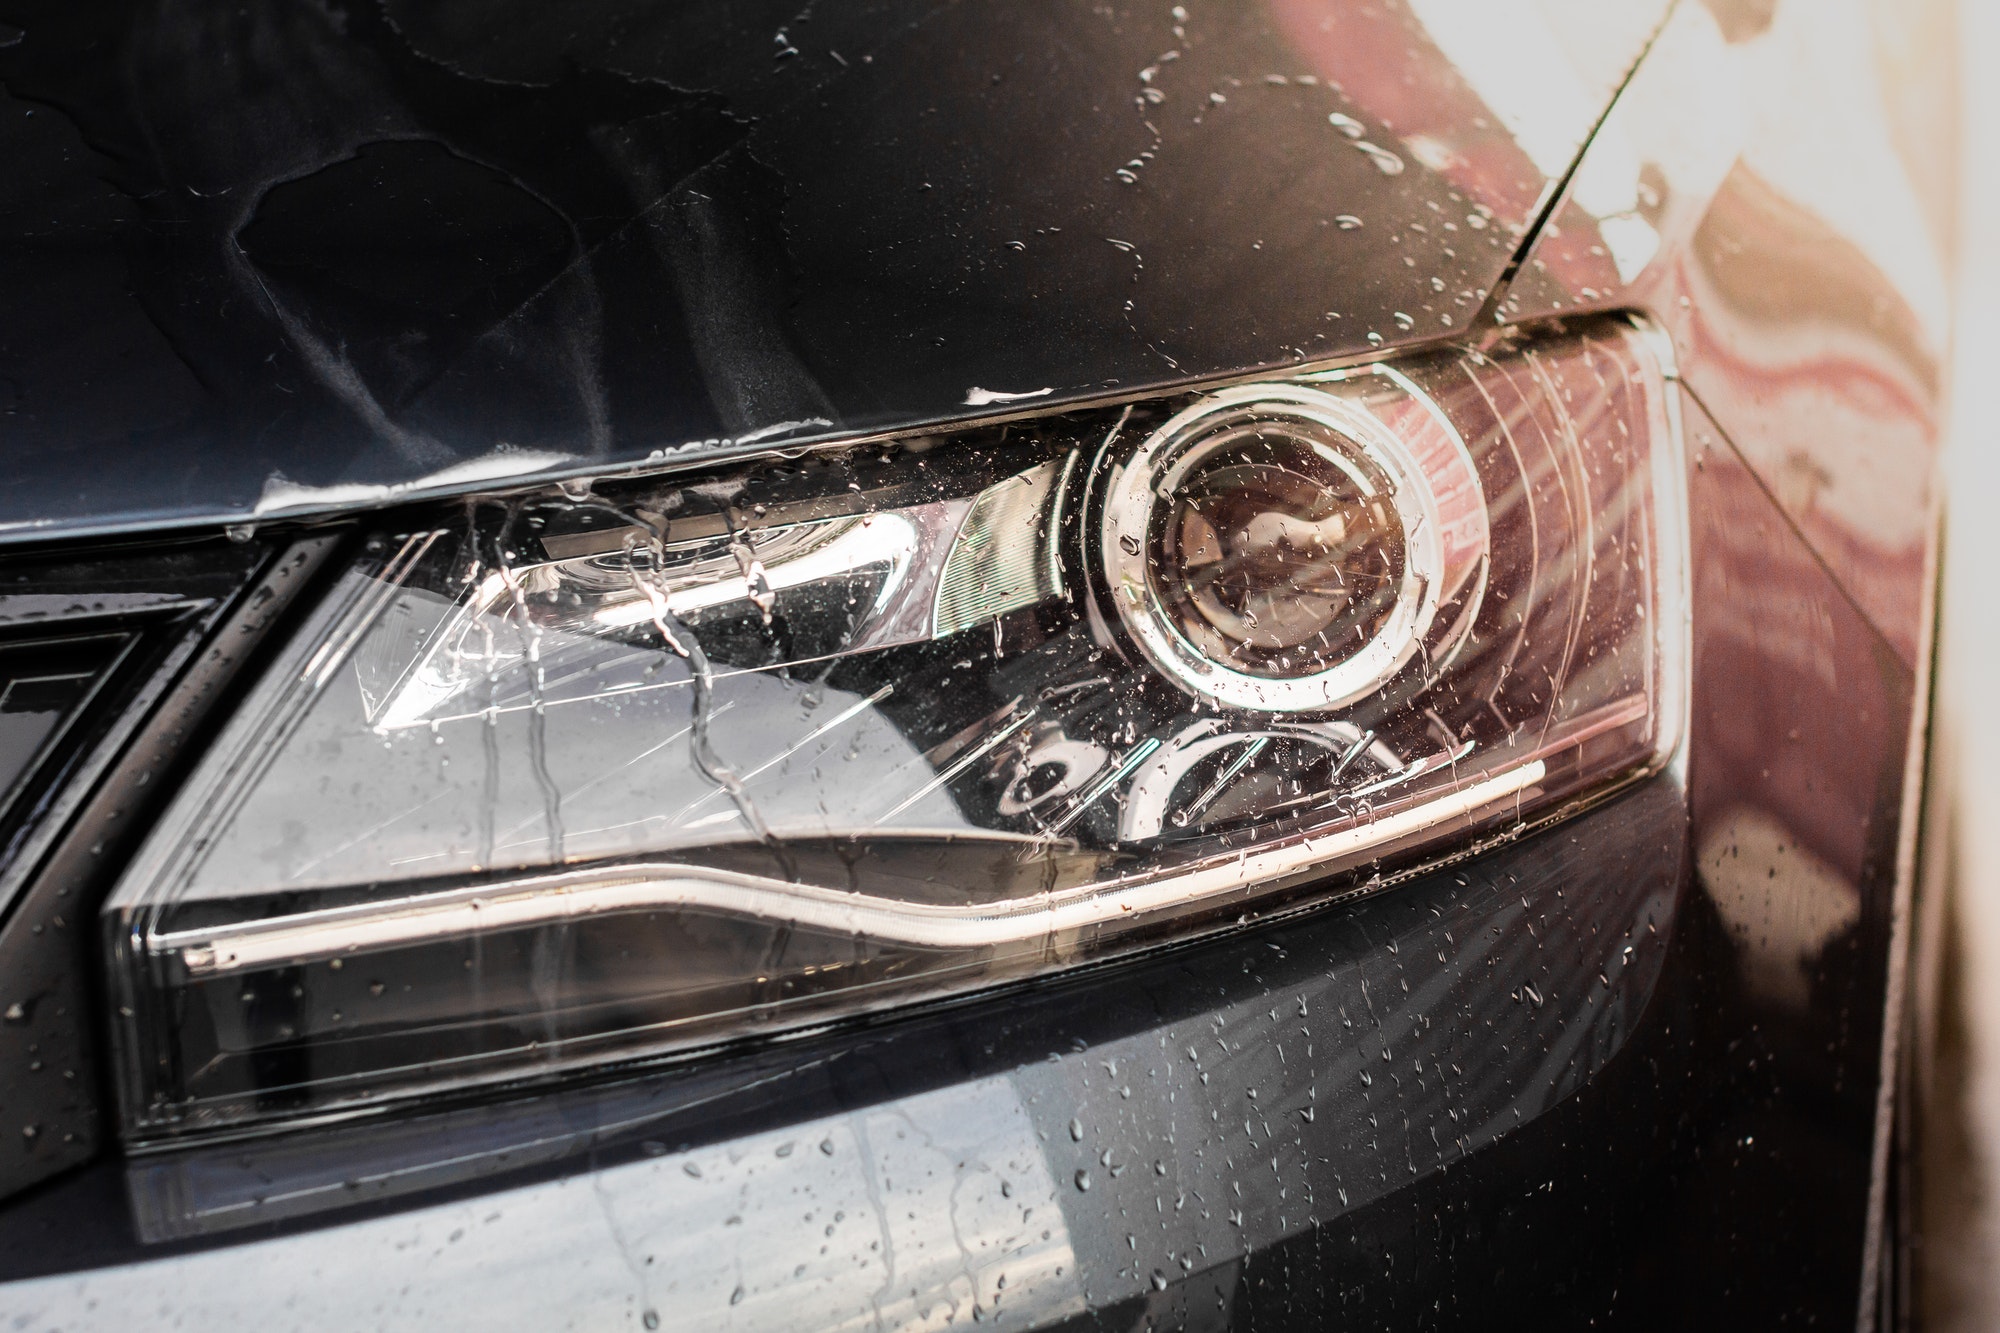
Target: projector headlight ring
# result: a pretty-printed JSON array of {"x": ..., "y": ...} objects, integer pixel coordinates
[{"x": 1278, "y": 548}]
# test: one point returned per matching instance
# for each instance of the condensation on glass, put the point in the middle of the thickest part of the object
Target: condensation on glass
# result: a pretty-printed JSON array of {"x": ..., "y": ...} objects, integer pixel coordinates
[{"x": 585, "y": 775}]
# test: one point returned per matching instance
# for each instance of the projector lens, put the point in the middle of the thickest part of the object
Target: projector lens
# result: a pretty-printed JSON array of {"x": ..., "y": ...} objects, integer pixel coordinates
[
  {"x": 1281, "y": 554},
  {"x": 1281, "y": 549}
]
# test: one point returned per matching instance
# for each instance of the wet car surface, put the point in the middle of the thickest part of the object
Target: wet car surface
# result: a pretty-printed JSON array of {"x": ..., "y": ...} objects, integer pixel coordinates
[
  {"x": 385, "y": 245},
  {"x": 1631, "y": 1060}
]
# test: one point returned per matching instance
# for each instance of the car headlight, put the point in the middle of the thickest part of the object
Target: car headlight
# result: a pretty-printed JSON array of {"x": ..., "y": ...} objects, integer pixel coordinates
[{"x": 579, "y": 776}]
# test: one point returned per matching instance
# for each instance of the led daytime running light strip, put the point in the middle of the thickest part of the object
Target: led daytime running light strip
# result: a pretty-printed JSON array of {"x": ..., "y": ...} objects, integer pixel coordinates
[{"x": 317, "y": 936}]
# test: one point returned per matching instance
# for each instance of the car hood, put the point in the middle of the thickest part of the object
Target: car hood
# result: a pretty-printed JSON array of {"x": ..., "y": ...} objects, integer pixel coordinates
[{"x": 291, "y": 257}]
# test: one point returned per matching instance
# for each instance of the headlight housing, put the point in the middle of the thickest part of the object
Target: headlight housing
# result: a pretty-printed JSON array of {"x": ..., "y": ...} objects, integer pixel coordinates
[{"x": 575, "y": 777}]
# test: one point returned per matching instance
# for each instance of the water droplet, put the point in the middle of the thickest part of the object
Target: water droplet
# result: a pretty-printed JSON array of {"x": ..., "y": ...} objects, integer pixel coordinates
[
  {"x": 1159, "y": 1280},
  {"x": 1083, "y": 1180},
  {"x": 1403, "y": 321},
  {"x": 1347, "y": 222},
  {"x": 1347, "y": 125},
  {"x": 1385, "y": 161},
  {"x": 651, "y": 1319},
  {"x": 736, "y": 1296}
]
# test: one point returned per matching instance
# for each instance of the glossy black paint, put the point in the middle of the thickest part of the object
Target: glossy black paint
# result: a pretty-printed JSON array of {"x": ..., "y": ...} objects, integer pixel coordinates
[{"x": 382, "y": 245}]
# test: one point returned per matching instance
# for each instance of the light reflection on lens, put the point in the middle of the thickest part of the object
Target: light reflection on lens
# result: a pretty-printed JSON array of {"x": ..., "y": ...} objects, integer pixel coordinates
[
  {"x": 1281, "y": 554},
  {"x": 1280, "y": 548}
]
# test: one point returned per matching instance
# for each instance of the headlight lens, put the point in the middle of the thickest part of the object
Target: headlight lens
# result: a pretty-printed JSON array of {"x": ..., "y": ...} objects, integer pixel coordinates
[
  {"x": 1282, "y": 549},
  {"x": 570, "y": 778}
]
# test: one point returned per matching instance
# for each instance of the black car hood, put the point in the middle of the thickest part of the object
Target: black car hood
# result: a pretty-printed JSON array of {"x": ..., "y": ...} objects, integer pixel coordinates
[{"x": 303, "y": 254}]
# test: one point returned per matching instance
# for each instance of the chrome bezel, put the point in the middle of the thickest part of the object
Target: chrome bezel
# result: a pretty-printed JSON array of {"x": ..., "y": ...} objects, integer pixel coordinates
[{"x": 1140, "y": 485}]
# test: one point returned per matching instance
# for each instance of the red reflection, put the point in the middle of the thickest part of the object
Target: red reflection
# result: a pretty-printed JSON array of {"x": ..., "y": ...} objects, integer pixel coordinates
[{"x": 1385, "y": 63}]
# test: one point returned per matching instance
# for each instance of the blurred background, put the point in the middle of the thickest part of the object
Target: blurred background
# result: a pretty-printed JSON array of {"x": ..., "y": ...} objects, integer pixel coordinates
[{"x": 1958, "y": 1254}]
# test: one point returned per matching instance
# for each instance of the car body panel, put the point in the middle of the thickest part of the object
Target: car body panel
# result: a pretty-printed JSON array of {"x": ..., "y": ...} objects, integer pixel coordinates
[
  {"x": 1768, "y": 189},
  {"x": 290, "y": 259}
]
